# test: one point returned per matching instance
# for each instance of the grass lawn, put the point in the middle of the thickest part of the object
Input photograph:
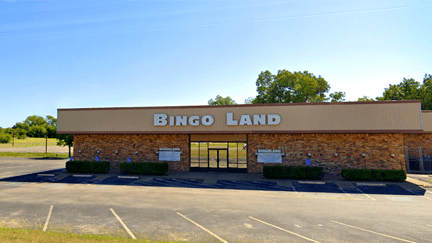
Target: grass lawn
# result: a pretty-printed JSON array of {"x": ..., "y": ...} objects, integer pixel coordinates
[
  {"x": 35, "y": 155},
  {"x": 30, "y": 142},
  {"x": 36, "y": 236}
]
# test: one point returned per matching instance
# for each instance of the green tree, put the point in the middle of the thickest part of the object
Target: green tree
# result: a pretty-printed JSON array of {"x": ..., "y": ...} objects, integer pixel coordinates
[
  {"x": 249, "y": 100},
  {"x": 426, "y": 92},
  {"x": 365, "y": 98},
  {"x": 5, "y": 138},
  {"x": 65, "y": 139},
  {"x": 35, "y": 121},
  {"x": 410, "y": 89},
  {"x": 37, "y": 131},
  {"x": 219, "y": 100},
  {"x": 52, "y": 121},
  {"x": 296, "y": 87},
  {"x": 337, "y": 96}
]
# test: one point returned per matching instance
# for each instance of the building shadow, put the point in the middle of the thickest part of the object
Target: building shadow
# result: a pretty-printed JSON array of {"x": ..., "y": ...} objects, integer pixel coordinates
[{"x": 59, "y": 176}]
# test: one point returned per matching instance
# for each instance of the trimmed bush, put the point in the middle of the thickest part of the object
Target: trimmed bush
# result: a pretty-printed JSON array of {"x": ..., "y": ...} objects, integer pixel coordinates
[
  {"x": 388, "y": 175},
  {"x": 5, "y": 138},
  {"x": 373, "y": 175},
  {"x": 290, "y": 172},
  {"x": 87, "y": 167},
  {"x": 357, "y": 174},
  {"x": 144, "y": 168}
]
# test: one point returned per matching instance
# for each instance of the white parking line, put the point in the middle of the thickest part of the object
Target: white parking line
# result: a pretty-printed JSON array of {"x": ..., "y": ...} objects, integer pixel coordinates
[
  {"x": 294, "y": 190},
  {"x": 301, "y": 236},
  {"x": 372, "y": 232},
  {"x": 206, "y": 230},
  {"x": 344, "y": 191},
  {"x": 418, "y": 194},
  {"x": 48, "y": 218},
  {"x": 124, "y": 226},
  {"x": 366, "y": 194}
]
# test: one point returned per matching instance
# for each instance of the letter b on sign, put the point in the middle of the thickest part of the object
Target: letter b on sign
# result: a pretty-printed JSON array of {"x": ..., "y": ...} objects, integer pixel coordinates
[{"x": 160, "y": 119}]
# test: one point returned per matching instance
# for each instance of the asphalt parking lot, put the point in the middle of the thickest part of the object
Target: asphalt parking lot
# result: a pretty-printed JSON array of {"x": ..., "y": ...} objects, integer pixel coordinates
[{"x": 192, "y": 210}]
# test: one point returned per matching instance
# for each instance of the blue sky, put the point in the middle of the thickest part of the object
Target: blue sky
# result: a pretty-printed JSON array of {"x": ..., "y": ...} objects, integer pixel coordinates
[{"x": 74, "y": 54}]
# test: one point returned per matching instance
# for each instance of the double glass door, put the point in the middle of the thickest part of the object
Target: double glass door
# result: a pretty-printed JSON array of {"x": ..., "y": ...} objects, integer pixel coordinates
[
  {"x": 218, "y": 159},
  {"x": 218, "y": 156}
]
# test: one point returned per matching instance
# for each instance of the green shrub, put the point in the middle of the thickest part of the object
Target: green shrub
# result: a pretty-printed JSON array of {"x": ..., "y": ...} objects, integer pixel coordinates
[
  {"x": 144, "y": 168},
  {"x": 373, "y": 175},
  {"x": 357, "y": 174},
  {"x": 388, "y": 175},
  {"x": 5, "y": 138},
  {"x": 87, "y": 167},
  {"x": 290, "y": 172}
]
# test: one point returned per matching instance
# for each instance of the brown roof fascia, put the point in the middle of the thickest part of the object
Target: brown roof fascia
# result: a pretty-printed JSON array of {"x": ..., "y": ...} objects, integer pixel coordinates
[
  {"x": 244, "y": 105},
  {"x": 426, "y": 111},
  {"x": 249, "y": 132}
]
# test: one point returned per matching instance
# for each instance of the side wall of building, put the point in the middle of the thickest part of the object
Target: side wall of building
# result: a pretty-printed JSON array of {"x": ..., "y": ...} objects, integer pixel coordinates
[
  {"x": 414, "y": 141},
  {"x": 349, "y": 147},
  {"x": 127, "y": 145}
]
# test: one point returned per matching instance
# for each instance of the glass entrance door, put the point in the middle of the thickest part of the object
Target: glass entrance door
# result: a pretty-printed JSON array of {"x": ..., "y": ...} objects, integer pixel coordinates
[
  {"x": 218, "y": 159},
  {"x": 218, "y": 156}
]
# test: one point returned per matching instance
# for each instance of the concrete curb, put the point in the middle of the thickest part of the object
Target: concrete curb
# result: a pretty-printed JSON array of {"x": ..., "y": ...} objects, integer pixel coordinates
[
  {"x": 419, "y": 182},
  {"x": 371, "y": 184}
]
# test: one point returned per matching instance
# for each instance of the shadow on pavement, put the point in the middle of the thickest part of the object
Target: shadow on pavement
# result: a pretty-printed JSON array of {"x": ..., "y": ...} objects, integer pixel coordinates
[{"x": 161, "y": 181}]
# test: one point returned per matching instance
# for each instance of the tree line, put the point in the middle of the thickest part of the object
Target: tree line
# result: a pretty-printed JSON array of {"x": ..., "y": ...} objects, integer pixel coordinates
[
  {"x": 305, "y": 87},
  {"x": 36, "y": 127}
]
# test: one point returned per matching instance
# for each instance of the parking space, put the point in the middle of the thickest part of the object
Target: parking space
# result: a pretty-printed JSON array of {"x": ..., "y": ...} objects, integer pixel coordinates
[
  {"x": 384, "y": 190},
  {"x": 191, "y": 214},
  {"x": 180, "y": 209}
]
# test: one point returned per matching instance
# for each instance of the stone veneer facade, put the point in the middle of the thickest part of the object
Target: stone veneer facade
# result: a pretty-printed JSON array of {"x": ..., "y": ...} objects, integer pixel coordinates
[
  {"x": 146, "y": 145},
  {"x": 378, "y": 148},
  {"x": 414, "y": 141},
  {"x": 349, "y": 147}
]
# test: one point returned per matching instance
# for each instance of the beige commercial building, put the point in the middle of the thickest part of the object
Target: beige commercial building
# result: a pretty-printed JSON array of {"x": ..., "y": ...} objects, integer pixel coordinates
[{"x": 244, "y": 138}]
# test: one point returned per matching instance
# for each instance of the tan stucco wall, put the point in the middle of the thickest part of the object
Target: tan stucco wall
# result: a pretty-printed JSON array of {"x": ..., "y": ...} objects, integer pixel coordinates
[{"x": 323, "y": 117}]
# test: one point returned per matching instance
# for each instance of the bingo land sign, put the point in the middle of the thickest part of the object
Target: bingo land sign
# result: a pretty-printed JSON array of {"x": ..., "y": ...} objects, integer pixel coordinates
[{"x": 161, "y": 119}]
